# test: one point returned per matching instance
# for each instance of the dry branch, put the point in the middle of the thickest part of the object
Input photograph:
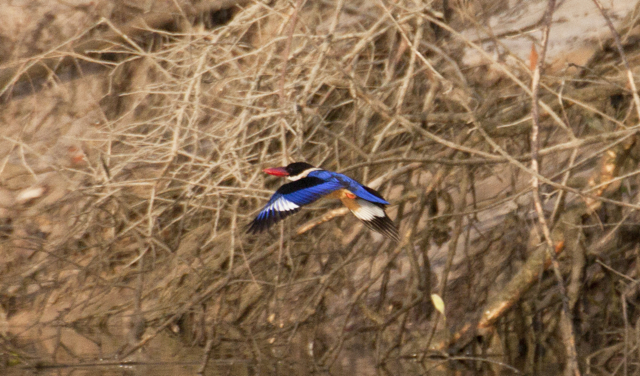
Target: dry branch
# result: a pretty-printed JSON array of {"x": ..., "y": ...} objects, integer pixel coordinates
[
  {"x": 90, "y": 48},
  {"x": 140, "y": 215}
]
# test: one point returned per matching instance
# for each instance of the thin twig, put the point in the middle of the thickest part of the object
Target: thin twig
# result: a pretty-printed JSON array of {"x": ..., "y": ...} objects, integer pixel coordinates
[
  {"x": 566, "y": 317},
  {"x": 623, "y": 56}
]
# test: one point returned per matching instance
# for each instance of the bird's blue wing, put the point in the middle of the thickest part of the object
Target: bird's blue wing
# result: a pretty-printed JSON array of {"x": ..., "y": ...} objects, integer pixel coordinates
[
  {"x": 369, "y": 194},
  {"x": 289, "y": 198},
  {"x": 352, "y": 185}
]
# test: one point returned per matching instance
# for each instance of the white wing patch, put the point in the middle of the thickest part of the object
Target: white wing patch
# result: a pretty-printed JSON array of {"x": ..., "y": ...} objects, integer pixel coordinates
[
  {"x": 282, "y": 205},
  {"x": 368, "y": 211}
]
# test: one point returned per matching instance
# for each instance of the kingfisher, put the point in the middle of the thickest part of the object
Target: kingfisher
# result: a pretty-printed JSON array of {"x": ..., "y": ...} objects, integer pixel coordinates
[{"x": 310, "y": 183}]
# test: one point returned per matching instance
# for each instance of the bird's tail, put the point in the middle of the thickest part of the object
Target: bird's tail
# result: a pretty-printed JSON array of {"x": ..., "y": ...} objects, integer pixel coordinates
[{"x": 374, "y": 217}]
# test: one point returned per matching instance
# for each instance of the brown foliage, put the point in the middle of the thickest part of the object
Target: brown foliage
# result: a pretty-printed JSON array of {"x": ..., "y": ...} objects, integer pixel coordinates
[{"x": 128, "y": 174}]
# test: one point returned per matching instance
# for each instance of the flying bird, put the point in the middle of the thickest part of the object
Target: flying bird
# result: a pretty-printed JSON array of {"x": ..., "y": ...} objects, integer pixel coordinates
[{"x": 308, "y": 184}]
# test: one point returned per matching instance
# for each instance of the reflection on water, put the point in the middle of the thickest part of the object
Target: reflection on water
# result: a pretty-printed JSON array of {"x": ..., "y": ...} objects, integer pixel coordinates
[
  {"x": 89, "y": 351},
  {"x": 160, "y": 369}
]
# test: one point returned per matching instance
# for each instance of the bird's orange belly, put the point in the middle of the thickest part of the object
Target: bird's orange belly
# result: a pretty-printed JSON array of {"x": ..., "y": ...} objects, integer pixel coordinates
[
  {"x": 341, "y": 193},
  {"x": 347, "y": 198}
]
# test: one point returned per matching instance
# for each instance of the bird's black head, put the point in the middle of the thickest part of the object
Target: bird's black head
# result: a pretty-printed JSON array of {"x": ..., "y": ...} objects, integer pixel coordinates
[
  {"x": 297, "y": 168},
  {"x": 293, "y": 171}
]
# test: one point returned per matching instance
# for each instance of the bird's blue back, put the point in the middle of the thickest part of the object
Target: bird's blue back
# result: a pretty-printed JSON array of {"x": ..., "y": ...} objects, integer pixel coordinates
[
  {"x": 290, "y": 197},
  {"x": 348, "y": 183}
]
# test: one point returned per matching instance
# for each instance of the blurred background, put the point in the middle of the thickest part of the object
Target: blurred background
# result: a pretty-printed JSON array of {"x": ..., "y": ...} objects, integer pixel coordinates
[{"x": 132, "y": 141}]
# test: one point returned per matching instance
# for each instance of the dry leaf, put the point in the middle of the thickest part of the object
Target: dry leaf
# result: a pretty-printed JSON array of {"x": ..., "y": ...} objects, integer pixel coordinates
[
  {"x": 533, "y": 58},
  {"x": 29, "y": 194},
  {"x": 438, "y": 303}
]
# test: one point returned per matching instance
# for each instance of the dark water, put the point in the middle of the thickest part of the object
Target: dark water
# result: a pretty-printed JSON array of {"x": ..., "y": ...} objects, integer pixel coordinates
[
  {"x": 160, "y": 369},
  {"x": 90, "y": 351}
]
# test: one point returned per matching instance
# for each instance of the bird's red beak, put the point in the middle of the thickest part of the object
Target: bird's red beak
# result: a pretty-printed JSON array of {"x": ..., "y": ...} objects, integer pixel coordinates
[{"x": 276, "y": 171}]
